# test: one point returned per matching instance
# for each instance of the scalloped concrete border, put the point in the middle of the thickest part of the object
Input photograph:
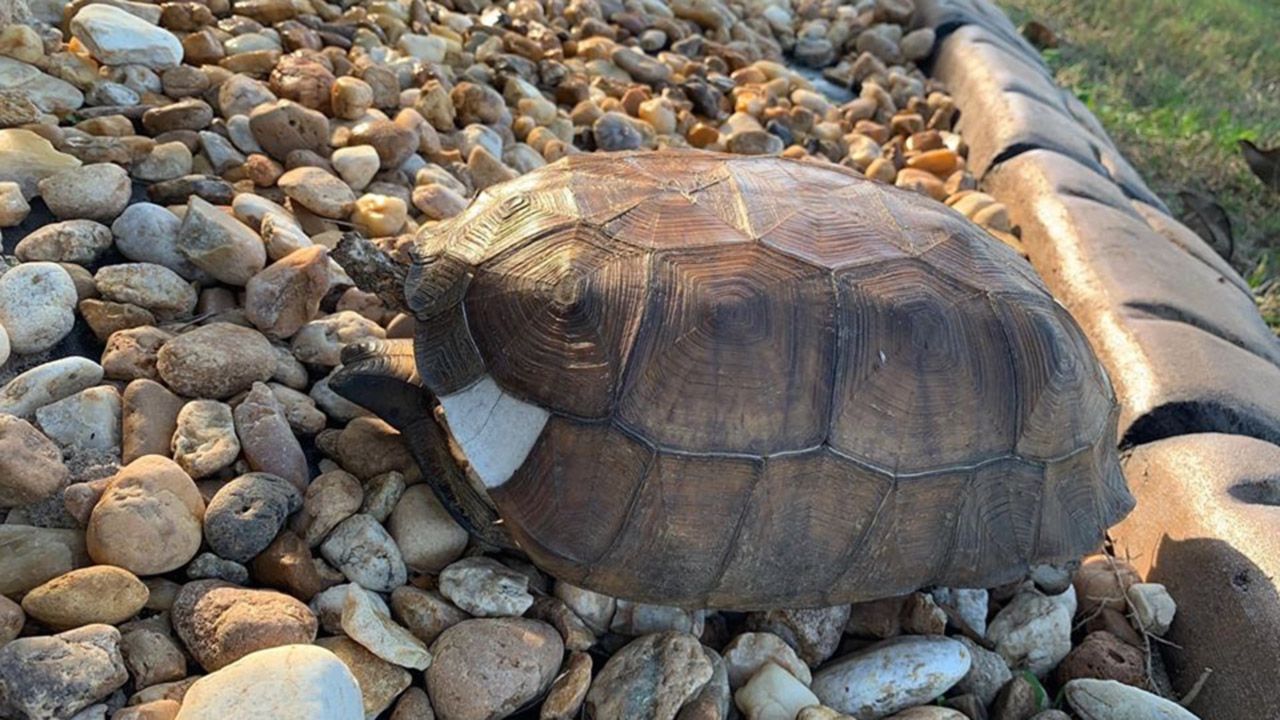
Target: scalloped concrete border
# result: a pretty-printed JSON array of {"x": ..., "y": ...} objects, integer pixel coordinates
[{"x": 1196, "y": 369}]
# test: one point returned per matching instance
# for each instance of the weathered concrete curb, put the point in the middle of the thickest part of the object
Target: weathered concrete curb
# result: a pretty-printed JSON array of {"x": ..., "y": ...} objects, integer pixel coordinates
[{"x": 1196, "y": 369}]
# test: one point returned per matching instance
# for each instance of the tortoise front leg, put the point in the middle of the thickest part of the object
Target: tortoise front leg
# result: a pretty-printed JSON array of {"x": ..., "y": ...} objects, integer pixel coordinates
[{"x": 381, "y": 376}]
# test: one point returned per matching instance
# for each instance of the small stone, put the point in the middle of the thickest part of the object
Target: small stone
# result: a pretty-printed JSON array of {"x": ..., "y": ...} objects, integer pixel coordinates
[
  {"x": 929, "y": 712},
  {"x": 350, "y": 98},
  {"x": 988, "y": 672},
  {"x": 88, "y": 420},
  {"x": 428, "y": 537},
  {"x": 31, "y": 467},
  {"x": 641, "y": 67},
  {"x": 93, "y": 192},
  {"x": 1103, "y": 656},
  {"x": 100, "y": 594},
  {"x": 879, "y": 619},
  {"x": 37, "y": 305},
  {"x": 318, "y": 191},
  {"x": 365, "y": 623},
  {"x": 653, "y": 676},
  {"x": 425, "y": 612},
  {"x": 814, "y": 633},
  {"x": 152, "y": 657},
  {"x": 614, "y": 131},
  {"x": 330, "y": 498},
  {"x": 13, "y": 206},
  {"x": 369, "y": 447},
  {"x": 298, "y": 682},
  {"x": 485, "y": 587},
  {"x": 11, "y": 620},
  {"x": 328, "y": 603},
  {"x": 595, "y": 609},
  {"x": 287, "y": 565},
  {"x": 204, "y": 438},
  {"x": 921, "y": 615},
  {"x": 267, "y": 441},
  {"x": 438, "y": 202},
  {"x": 207, "y": 566},
  {"x": 71, "y": 241},
  {"x": 56, "y": 676},
  {"x": 154, "y": 287},
  {"x": 569, "y": 690},
  {"x": 380, "y": 681},
  {"x": 892, "y": 675},
  {"x": 356, "y": 165},
  {"x": 413, "y": 705},
  {"x": 1111, "y": 700},
  {"x": 917, "y": 44},
  {"x": 393, "y": 143},
  {"x": 749, "y": 652},
  {"x": 969, "y": 603},
  {"x": 48, "y": 383},
  {"x": 379, "y": 215},
  {"x": 754, "y": 142},
  {"x": 148, "y": 520},
  {"x": 1019, "y": 698},
  {"x": 920, "y": 181},
  {"x": 772, "y": 693},
  {"x": 114, "y": 37},
  {"x": 29, "y": 159},
  {"x": 130, "y": 354},
  {"x": 221, "y": 623},
  {"x": 214, "y": 241},
  {"x": 244, "y": 516},
  {"x": 215, "y": 361},
  {"x": 363, "y": 551},
  {"x": 284, "y": 126},
  {"x": 1153, "y": 607},
  {"x": 1032, "y": 632},
  {"x": 155, "y": 710},
  {"x": 488, "y": 668},
  {"x": 30, "y": 556},
  {"x": 191, "y": 114},
  {"x": 148, "y": 233}
]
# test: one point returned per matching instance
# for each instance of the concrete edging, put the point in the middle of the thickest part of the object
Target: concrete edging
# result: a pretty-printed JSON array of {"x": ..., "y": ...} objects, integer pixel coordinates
[{"x": 1196, "y": 369}]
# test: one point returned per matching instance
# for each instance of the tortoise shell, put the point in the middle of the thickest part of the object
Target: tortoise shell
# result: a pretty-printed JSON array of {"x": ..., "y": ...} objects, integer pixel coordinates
[{"x": 723, "y": 381}]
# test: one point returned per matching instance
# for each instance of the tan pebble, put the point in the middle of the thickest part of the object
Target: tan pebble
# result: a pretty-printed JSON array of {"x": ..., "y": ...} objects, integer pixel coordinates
[
  {"x": 379, "y": 215},
  {"x": 882, "y": 169},
  {"x": 941, "y": 162},
  {"x": 318, "y": 191},
  {"x": 148, "y": 520},
  {"x": 925, "y": 183},
  {"x": 100, "y": 594}
]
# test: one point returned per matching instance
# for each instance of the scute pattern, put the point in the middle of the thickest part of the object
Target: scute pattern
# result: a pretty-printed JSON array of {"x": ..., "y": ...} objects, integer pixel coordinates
[{"x": 743, "y": 355}]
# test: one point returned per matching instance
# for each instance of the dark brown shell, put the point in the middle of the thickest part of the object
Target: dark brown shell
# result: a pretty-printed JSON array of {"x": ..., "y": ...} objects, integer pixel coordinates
[{"x": 771, "y": 382}]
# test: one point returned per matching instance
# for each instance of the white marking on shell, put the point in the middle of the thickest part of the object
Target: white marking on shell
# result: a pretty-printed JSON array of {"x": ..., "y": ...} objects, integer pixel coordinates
[{"x": 495, "y": 430}]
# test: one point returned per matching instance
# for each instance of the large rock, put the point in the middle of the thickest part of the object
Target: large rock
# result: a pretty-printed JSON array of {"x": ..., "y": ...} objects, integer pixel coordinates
[
  {"x": 147, "y": 285},
  {"x": 204, "y": 438},
  {"x": 55, "y": 676},
  {"x": 488, "y": 668},
  {"x": 31, "y": 467},
  {"x": 295, "y": 682},
  {"x": 216, "y": 361},
  {"x": 891, "y": 675},
  {"x": 652, "y": 677},
  {"x": 87, "y": 421},
  {"x": 216, "y": 242},
  {"x": 115, "y": 37},
  {"x": 1032, "y": 632},
  {"x": 149, "y": 418},
  {"x": 73, "y": 241},
  {"x": 148, "y": 520},
  {"x": 1206, "y": 529},
  {"x": 814, "y": 633},
  {"x": 148, "y": 233},
  {"x": 221, "y": 623}
]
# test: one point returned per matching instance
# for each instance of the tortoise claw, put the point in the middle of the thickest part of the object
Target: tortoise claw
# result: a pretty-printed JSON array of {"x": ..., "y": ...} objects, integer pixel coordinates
[{"x": 380, "y": 375}]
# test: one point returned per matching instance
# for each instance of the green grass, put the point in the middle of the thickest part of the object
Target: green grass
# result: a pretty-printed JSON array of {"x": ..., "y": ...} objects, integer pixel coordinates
[{"x": 1177, "y": 83}]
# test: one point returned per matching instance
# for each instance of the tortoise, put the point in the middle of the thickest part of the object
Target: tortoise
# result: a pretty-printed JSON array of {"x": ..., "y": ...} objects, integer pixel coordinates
[{"x": 708, "y": 380}]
